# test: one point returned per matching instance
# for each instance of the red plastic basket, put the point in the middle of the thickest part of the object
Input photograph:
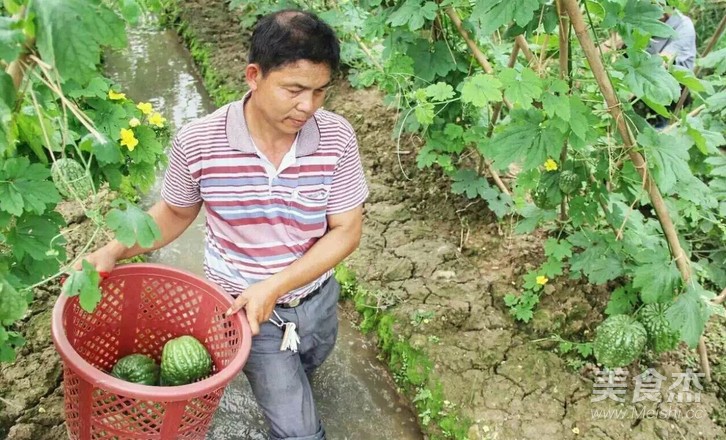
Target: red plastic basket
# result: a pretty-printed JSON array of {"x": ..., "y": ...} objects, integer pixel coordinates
[{"x": 143, "y": 306}]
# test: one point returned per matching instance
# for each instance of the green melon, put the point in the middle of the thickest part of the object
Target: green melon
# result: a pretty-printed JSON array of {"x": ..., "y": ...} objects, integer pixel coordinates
[
  {"x": 69, "y": 176},
  {"x": 184, "y": 360},
  {"x": 661, "y": 337},
  {"x": 569, "y": 182},
  {"x": 619, "y": 340},
  {"x": 137, "y": 368}
]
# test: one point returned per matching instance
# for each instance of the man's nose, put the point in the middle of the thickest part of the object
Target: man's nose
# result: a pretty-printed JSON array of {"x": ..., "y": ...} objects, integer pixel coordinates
[{"x": 306, "y": 103}]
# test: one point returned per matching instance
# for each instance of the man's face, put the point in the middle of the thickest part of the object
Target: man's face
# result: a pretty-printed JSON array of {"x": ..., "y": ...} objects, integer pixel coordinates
[{"x": 290, "y": 95}]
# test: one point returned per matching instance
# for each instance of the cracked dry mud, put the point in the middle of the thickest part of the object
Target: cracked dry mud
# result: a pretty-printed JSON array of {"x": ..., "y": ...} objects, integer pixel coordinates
[{"x": 424, "y": 251}]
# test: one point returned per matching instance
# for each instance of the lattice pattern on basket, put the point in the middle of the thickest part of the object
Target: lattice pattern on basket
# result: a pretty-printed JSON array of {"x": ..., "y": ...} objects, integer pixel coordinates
[
  {"x": 198, "y": 414},
  {"x": 150, "y": 341},
  {"x": 107, "y": 314},
  {"x": 101, "y": 349},
  {"x": 70, "y": 390},
  {"x": 112, "y": 412},
  {"x": 167, "y": 299},
  {"x": 223, "y": 339}
]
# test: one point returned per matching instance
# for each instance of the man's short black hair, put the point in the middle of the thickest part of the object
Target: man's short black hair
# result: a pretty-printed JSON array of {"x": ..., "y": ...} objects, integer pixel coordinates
[{"x": 287, "y": 36}]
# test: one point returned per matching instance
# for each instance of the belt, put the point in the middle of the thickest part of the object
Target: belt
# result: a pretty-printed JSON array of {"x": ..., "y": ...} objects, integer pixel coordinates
[{"x": 297, "y": 301}]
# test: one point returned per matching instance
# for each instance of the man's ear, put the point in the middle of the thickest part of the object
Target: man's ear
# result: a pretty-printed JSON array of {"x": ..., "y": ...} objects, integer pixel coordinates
[{"x": 253, "y": 74}]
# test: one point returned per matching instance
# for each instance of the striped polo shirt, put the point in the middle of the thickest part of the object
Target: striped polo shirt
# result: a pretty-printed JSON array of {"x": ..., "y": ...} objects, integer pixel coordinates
[{"x": 260, "y": 220}]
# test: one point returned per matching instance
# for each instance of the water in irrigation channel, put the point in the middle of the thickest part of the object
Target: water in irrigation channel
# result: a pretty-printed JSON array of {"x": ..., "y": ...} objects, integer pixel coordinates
[{"x": 353, "y": 390}]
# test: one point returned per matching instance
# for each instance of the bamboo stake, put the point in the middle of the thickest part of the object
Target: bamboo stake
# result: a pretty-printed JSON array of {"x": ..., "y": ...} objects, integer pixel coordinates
[
  {"x": 598, "y": 70},
  {"x": 484, "y": 63},
  {"x": 478, "y": 54},
  {"x": 522, "y": 43},
  {"x": 711, "y": 43},
  {"x": 564, "y": 58}
]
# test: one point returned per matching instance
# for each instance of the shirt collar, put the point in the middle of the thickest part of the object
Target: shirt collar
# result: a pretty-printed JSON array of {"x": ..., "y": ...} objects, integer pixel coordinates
[{"x": 238, "y": 135}]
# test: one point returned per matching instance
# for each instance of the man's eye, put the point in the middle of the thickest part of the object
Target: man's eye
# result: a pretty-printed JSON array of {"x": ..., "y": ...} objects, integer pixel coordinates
[{"x": 294, "y": 90}]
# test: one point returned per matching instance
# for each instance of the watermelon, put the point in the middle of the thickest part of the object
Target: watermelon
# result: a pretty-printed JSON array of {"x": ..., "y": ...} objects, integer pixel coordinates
[{"x": 184, "y": 360}]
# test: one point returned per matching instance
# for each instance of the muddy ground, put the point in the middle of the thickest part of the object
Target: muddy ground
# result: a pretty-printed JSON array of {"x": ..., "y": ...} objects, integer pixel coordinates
[{"x": 426, "y": 253}]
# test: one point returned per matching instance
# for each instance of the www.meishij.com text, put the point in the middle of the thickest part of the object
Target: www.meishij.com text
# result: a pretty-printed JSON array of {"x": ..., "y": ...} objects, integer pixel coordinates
[{"x": 632, "y": 413}]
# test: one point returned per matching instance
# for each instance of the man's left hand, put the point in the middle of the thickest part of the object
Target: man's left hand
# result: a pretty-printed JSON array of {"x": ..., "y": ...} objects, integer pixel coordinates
[{"x": 258, "y": 301}]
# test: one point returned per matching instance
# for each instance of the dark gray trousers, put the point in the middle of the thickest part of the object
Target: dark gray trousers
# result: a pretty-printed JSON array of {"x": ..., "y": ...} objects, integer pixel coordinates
[{"x": 279, "y": 379}]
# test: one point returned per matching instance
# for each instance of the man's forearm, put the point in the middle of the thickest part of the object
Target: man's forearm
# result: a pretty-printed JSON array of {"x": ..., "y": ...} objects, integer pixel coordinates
[
  {"x": 326, "y": 253},
  {"x": 171, "y": 224}
]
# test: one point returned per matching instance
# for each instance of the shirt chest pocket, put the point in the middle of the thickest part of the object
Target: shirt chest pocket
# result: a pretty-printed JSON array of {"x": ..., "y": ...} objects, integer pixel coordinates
[{"x": 308, "y": 206}]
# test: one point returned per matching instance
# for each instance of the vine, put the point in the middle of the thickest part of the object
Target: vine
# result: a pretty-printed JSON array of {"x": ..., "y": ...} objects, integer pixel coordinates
[{"x": 66, "y": 132}]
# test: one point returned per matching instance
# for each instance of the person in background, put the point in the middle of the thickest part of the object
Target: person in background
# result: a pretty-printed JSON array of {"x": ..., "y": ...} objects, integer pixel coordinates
[
  {"x": 680, "y": 49},
  {"x": 283, "y": 188}
]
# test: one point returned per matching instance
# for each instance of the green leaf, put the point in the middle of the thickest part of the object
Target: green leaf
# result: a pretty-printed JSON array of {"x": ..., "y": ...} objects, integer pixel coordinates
[
  {"x": 440, "y": 91},
  {"x": 528, "y": 138},
  {"x": 413, "y": 13},
  {"x": 640, "y": 15},
  {"x": 656, "y": 278},
  {"x": 551, "y": 268},
  {"x": 690, "y": 312},
  {"x": 715, "y": 60},
  {"x": 149, "y": 148},
  {"x": 622, "y": 301},
  {"x": 667, "y": 156},
  {"x": 35, "y": 236},
  {"x": 431, "y": 60},
  {"x": 707, "y": 141},
  {"x": 469, "y": 182},
  {"x": 11, "y": 38},
  {"x": 84, "y": 283},
  {"x": 97, "y": 87},
  {"x": 481, "y": 89},
  {"x": 109, "y": 117},
  {"x": 531, "y": 217},
  {"x": 521, "y": 87},
  {"x": 24, "y": 187},
  {"x": 556, "y": 105},
  {"x": 13, "y": 304},
  {"x": 557, "y": 249},
  {"x": 717, "y": 101},
  {"x": 71, "y": 33},
  {"x": 645, "y": 76},
  {"x": 453, "y": 132},
  {"x": 7, "y": 93},
  {"x": 105, "y": 151},
  {"x": 493, "y": 14},
  {"x": 424, "y": 113},
  {"x": 600, "y": 259},
  {"x": 687, "y": 78},
  {"x": 132, "y": 225}
]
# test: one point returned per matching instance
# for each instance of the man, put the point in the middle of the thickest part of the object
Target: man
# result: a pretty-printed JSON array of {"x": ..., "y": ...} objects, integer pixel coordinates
[
  {"x": 283, "y": 187},
  {"x": 679, "y": 49},
  {"x": 682, "y": 46}
]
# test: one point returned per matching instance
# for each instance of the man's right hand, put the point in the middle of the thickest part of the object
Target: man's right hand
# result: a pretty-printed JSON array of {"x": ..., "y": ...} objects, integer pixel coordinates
[{"x": 103, "y": 259}]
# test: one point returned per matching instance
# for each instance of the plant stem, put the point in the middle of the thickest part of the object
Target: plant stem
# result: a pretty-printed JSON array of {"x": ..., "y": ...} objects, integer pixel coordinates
[
  {"x": 522, "y": 43},
  {"x": 484, "y": 63}
]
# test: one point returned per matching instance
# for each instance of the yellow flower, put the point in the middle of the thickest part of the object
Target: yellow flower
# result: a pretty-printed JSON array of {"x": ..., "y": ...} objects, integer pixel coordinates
[
  {"x": 116, "y": 96},
  {"x": 542, "y": 280},
  {"x": 576, "y": 430},
  {"x": 145, "y": 107},
  {"x": 550, "y": 165},
  {"x": 134, "y": 122},
  {"x": 157, "y": 119},
  {"x": 128, "y": 139}
]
